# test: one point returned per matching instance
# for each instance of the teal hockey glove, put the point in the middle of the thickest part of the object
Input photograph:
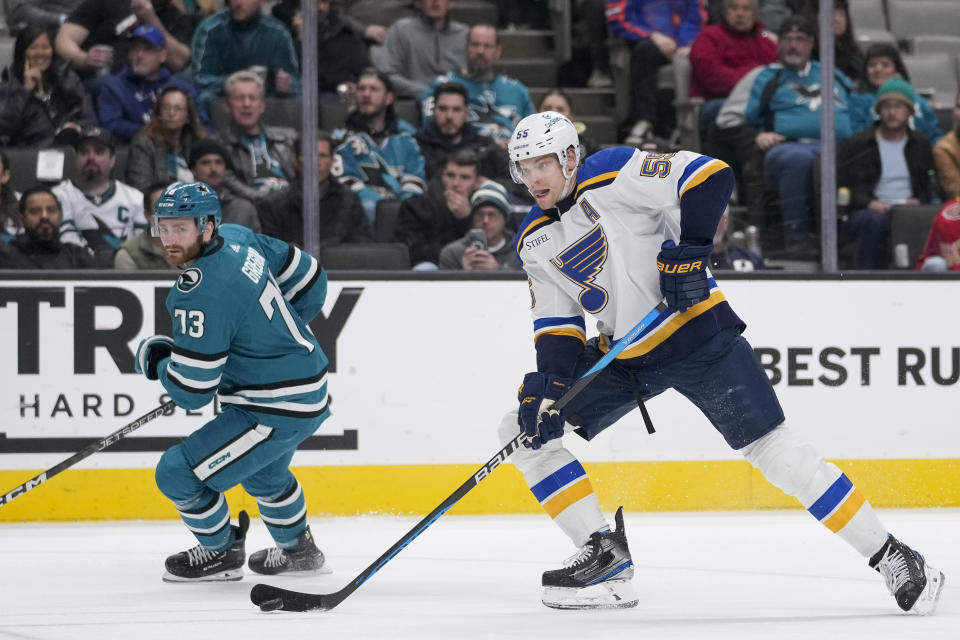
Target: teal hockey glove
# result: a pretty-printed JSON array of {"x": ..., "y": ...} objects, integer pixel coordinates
[
  {"x": 541, "y": 423},
  {"x": 149, "y": 354},
  {"x": 683, "y": 273}
]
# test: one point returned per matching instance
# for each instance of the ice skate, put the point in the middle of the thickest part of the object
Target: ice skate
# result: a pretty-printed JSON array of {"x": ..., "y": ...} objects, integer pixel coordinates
[
  {"x": 596, "y": 577},
  {"x": 200, "y": 564},
  {"x": 914, "y": 584},
  {"x": 304, "y": 559}
]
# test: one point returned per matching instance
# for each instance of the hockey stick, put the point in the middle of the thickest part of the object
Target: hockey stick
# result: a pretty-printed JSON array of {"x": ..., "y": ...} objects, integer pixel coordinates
[
  {"x": 86, "y": 452},
  {"x": 271, "y": 598}
]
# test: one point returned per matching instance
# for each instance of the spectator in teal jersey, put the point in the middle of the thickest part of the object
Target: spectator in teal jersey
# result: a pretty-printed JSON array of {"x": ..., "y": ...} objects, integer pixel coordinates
[
  {"x": 241, "y": 37},
  {"x": 784, "y": 110},
  {"x": 497, "y": 102}
]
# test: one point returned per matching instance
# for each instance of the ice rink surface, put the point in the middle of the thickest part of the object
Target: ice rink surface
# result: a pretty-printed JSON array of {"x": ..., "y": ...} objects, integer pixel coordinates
[{"x": 738, "y": 575}]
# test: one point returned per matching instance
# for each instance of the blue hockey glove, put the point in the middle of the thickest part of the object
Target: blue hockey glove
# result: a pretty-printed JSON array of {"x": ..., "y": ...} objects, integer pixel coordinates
[
  {"x": 683, "y": 273},
  {"x": 537, "y": 393},
  {"x": 149, "y": 354}
]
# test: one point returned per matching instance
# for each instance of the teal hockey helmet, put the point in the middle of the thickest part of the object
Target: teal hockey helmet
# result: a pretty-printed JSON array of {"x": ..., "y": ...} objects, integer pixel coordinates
[{"x": 195, "y": 200}]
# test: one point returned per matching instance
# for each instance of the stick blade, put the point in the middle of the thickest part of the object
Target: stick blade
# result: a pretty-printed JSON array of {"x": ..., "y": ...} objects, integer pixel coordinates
[{"x": 270, "y": 598}]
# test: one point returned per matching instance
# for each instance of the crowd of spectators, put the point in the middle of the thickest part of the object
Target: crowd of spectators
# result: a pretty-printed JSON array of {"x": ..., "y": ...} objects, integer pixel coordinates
[{"x": 147, "y": 92}]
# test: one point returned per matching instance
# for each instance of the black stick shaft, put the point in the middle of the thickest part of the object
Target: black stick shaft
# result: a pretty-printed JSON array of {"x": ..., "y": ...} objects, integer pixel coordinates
[
  {"x": 86, "y": 452},
  {"x": 270, "y": 598}
]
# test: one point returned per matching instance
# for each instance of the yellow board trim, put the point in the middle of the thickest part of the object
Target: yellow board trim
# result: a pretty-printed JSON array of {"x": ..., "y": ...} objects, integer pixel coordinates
[
  {"x": 708, "y": 170},
  {"x": 846, "y": 511},
  {"x": 577, "y": 491},
  {"x": 105, "y": 494}
]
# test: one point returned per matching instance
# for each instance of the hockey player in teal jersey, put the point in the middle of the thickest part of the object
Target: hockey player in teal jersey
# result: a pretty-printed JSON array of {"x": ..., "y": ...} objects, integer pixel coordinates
[
  {"x": 613, "y": 237},
  {"x": 240, "y": 311}
]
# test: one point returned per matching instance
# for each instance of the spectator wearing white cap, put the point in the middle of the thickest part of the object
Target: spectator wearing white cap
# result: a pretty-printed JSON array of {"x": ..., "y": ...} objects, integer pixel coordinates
[{"x": 488, "y": 245}]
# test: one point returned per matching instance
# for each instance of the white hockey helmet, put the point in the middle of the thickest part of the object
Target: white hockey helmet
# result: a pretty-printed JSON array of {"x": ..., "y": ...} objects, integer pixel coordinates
[{"x": 541, "y": 134}]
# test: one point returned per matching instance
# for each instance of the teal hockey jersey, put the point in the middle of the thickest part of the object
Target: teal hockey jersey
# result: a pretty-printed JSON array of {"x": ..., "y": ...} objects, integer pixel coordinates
[{"x": 240, "y": 315}]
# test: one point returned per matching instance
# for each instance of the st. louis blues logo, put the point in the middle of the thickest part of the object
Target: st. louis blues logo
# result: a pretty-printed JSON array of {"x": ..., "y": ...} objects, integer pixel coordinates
[{"x": 581, "y": 262}]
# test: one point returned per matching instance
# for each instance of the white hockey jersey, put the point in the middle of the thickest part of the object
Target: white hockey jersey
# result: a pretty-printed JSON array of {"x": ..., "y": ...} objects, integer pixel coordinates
[
  {"x": 117, "y": 214},
  {"x": 597, "y": 253}
]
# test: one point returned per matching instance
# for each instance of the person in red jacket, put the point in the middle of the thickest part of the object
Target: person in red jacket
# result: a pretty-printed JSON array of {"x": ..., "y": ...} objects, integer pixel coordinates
[
  {"x": 657, "y": 31},
  {"x": 942, "y": 251},
  {"x": 724, "y": 52}
]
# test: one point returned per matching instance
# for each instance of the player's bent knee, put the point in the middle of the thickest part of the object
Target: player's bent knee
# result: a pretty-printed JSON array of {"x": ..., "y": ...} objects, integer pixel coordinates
[
  {"x": 788, "y": 462},
  {"x": 175, "y": 477},
  {"x": 269, "y": 487}
]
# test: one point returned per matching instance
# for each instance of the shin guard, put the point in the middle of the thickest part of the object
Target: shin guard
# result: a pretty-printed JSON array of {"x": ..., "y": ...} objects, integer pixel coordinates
[
  {"x": 796, "y": 468},
  {"x": 559, "y": 483}
]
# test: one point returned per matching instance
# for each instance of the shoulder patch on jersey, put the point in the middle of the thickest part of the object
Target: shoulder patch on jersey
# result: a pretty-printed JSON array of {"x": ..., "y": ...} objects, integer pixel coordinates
[
  {"x": 189, "y": 280},
  {"x": 535, "y": 219},
  {"x": 951, "y": 211}
]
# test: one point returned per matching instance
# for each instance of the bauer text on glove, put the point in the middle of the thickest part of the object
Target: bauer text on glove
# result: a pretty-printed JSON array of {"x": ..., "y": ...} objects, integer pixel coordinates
[{"x": 683, "y": 273}]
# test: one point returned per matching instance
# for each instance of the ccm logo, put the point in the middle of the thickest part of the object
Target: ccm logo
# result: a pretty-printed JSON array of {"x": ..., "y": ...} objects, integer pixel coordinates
[
  {"x": 218, "y": 460},
  {"x": 686, "y": 267}
]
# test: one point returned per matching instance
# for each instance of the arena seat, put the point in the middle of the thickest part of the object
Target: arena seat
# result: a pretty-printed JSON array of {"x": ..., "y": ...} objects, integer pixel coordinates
[
  {"x": 333, "y": 115},
  {"x": 909, "y": 228},
  {"x": 867, "y": 37},
  {"x": 934, "y": 75},
  {"x": 937, "y": 43},
  {"x": 388, "y": 210},
  {"x": 868, "y": 14},
  {"x": 408, "y": 109},
  {"x": 23, "y": 166},
  {"x": 687, "y": 108},
  {"x": 366, "y": 257},
  {"x": 912, "y": 18}
]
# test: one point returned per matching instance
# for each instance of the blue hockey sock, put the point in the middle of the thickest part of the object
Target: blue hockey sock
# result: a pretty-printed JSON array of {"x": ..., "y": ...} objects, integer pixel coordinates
[
  {"x": 285, "y": 515},
  {"x": 208, "y": 518}
]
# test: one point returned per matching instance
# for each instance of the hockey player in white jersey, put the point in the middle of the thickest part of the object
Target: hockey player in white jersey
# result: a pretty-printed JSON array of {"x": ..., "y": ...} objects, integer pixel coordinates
[
  {"x": 613, "y": 237},
  {"x": 98, "y": 211}
]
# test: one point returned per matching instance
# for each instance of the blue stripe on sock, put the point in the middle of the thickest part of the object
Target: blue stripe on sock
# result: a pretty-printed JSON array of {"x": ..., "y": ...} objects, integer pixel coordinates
[
  {"x": 831, "y": 497},
  {"x": 557, "y": 480}
]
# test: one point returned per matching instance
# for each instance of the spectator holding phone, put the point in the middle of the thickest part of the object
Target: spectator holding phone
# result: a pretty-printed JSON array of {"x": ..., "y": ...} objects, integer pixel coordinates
[{"x": 488, "y": 245}]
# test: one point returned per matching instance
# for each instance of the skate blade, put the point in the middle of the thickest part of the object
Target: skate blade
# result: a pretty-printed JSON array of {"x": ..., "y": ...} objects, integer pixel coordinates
[
  {"x": 929, "y": 598},
  {"x": 324, "y": 569},
  {"x": 611, "y": 594},
  {"x": 305, "y": 573},
  {"x": 224, "y": 576}
]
